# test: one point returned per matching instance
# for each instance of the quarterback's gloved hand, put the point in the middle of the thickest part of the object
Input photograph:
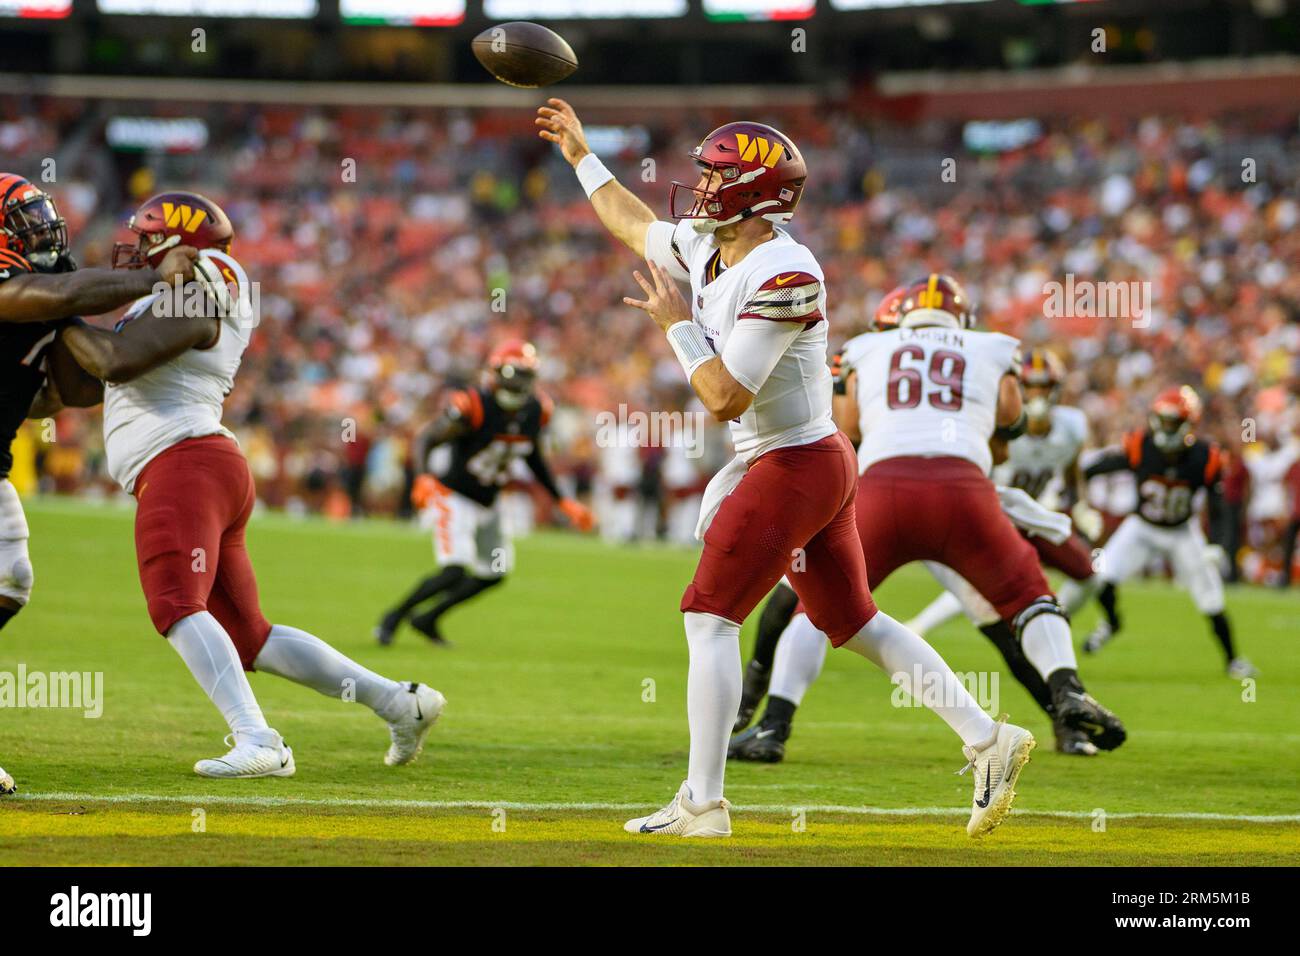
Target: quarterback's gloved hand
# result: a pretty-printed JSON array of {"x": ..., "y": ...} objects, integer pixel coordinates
[
  {"x": 578, "y": 514},
  {"x": 425, "y": 489},
  {"x": 1087, "y": 519}
]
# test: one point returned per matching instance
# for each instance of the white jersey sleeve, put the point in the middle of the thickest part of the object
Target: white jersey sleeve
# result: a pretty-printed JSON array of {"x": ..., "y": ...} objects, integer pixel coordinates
[
  {"x": 755, "y": 347},
  {"x": 668, "y": 245},
  {"x": 928, "y": 392}
]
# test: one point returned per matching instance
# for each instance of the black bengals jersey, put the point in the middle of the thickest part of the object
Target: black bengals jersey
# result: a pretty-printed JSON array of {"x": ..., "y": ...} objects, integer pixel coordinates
[
  {"x": 22, "y": 363},
  {"x": 1166, "y": 486},
  {"x": 486, "y": 441}
]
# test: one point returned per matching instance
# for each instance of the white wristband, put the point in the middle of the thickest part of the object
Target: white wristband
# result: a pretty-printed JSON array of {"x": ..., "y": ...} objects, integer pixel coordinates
[
  {"x": 592, "y": 173},
  {"x": 690, "y": 345}
]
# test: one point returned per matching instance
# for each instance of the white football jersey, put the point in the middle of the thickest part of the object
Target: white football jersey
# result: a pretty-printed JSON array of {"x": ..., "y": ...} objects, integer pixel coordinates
[
  {"x": 1036, "y": 463},
  {"x": 780, "y": 281},
  {"x": 181, "y": 398},
  {"x": 929, "y": 392}
]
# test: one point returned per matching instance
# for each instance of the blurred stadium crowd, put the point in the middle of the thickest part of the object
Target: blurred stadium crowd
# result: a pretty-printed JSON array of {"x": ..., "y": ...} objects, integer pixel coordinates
[{"x": 382, "y": 289}]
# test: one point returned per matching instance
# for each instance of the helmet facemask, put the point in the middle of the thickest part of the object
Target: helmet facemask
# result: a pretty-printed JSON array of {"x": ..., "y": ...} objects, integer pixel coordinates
[
  {"x": 1170, "y": 432},
  {"x": 514, "y": 386},
  {"x": 41, "y": 233},
  {"x": 707, "y": 204}
]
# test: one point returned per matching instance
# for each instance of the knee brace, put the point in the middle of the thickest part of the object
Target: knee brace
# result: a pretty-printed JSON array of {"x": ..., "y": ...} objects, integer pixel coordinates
[
  {"x": 16, "y": 580},
  {"x": 1046, "y": 604}
]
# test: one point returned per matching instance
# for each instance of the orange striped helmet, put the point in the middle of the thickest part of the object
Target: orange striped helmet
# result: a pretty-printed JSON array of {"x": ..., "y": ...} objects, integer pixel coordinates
[{"x": 30, "y": 224}]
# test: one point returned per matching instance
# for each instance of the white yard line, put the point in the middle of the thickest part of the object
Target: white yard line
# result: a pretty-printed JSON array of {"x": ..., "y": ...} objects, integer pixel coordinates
[{"x": 261, "y": 801}]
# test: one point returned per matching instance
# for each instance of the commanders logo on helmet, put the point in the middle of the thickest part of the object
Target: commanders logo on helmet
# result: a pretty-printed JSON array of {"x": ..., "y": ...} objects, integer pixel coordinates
[
  {"x": 936, "y": 300},
  {"x": 750, "y": 170},
  {"x": 173, "y": 219},
  {"x": 30, "y": 224},
  {"x": 1174, "y": 414}
]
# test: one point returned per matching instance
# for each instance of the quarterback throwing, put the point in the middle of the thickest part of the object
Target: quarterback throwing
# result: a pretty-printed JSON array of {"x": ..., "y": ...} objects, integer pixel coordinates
[{"x": 752, "y": 341}]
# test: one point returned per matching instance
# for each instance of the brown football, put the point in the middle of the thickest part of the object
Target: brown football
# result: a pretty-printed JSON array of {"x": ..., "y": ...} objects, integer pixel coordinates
[{"x": 524, "y": 54}]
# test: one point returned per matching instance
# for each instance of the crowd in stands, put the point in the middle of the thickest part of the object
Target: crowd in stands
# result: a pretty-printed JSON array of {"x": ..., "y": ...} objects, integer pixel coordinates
[{"x": 395, "y": 246}]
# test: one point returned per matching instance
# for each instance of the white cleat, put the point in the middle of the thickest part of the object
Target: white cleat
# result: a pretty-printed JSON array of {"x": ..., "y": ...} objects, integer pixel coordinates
[
  {"x": 684, "y": 818},
  {"x": 7, "y": 785},
  {"x": 1239, "y": 669},
  {"x": 997, "y": 763},
  {"x": 263, "y": 754},
  {"x": 1098, "y": 638},
  {"x": 424, "y": 704}
]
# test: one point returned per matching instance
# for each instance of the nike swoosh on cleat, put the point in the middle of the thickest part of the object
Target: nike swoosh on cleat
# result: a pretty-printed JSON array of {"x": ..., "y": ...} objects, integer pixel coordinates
[
  {"x": 763, "y": 733},
  {"x": 284, "y": 762},
  {"x": 988, "y": 776},
  {"x": 646, "y": 828}
]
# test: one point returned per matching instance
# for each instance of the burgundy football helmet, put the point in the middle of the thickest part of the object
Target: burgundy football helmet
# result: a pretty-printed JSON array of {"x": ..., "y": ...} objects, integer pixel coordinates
[
  {"x": 30, "y": 224},
  {"x": 936, "y": 300},
  {"x": 887, "y": 314},
  {"x": 173, "y": 219},
  {"x": 1174, "y": 413},
  {"x": 748, "y": 170}
]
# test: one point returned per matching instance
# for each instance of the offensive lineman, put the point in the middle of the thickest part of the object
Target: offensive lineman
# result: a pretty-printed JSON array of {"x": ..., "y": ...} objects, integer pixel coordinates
[
  {"x": 1170, "y": 464},
  {"x": 1044, "y": 463},
  {"x": 752, "y": 342},
  {"x": 166, "y": 372},
  {"x": 925, "y": 399},
  {"x": 485, "y": 430},
  {"x": 40, "y": 288},
  {"x": 797, "y": 659}
]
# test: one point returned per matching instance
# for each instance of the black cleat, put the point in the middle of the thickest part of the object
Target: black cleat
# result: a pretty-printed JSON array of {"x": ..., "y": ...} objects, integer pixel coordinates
[
  {"x": 752, "y": 693},
  {"x": 1079, "y": 710},
  {"x": 428, "y": 626},
  {"x": 761, "y": 744},
  {"x": 386, "y": 629},
  {"x": 1073, "y": 742}
]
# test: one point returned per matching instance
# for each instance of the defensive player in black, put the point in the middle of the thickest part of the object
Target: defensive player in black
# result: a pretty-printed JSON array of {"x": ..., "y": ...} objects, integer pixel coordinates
[
  {"x": 484, "y": 431},
  {"x": 40, "y": 291},
  {"x": 1170, "y": 464}
]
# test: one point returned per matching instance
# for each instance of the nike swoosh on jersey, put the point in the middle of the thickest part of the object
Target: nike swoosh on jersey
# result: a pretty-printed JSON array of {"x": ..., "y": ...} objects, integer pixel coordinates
[{"x": 782, "y": 280}]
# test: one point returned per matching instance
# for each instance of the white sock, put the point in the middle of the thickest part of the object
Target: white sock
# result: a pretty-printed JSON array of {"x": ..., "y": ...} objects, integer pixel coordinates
[
  {"x": 1073, "y": 595},
  {"x": 905, "y": 656},
  {"x": 1046, "y": 642},
  {"x": 939, "y": 611},
  {"x": 712, "y": 700},
  {"x": 305, "y": 659},
  {"x": 210, "y": 654},
  {"x": 798, "y": 660}
]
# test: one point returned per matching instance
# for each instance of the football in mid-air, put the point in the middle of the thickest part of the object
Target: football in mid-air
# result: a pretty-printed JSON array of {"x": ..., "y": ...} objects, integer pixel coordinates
[{"x": 524, "y": 54}]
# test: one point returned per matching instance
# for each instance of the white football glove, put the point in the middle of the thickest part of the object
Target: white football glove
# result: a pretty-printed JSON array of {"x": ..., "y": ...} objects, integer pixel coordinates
[
  {"x": 1087, "y": 519},
  {"x": 208, "y": 274}
]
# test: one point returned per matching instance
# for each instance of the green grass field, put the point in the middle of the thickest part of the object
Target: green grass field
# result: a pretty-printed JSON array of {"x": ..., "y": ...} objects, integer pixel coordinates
[{"x": 548, "y": 744}]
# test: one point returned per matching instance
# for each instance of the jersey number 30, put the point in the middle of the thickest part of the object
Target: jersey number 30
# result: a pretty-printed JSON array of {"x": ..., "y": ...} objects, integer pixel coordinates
[{"x": 945, "y": 373}]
